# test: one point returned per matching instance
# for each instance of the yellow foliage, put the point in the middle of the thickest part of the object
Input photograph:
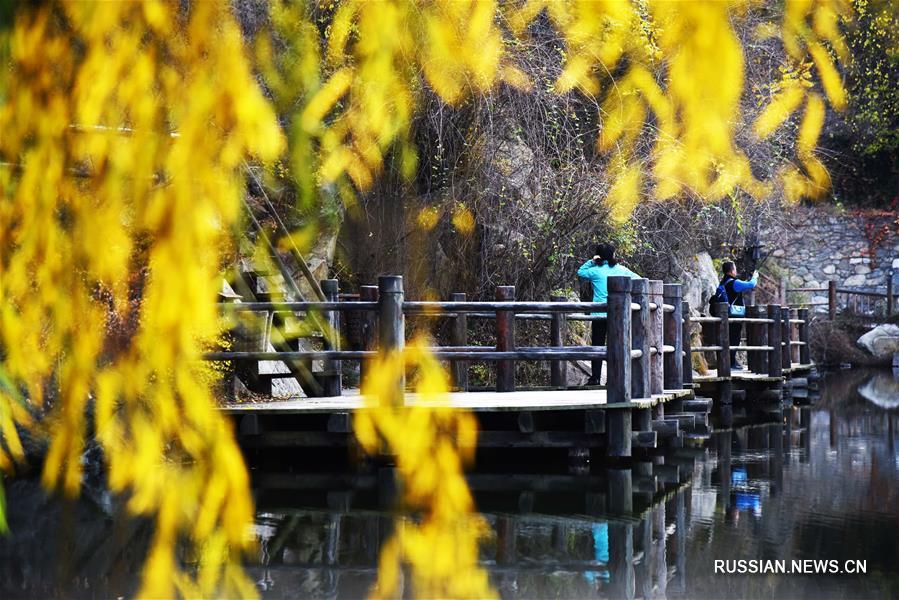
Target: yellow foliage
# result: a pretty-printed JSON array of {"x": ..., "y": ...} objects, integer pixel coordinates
[
  {"x": 625, "y": 192},
  {"x": 830, "y": 79},
  {"x": 812, "y": 122},
  {"x": 807, "y": 25},
  {"x": 428, "y": 217},
  {"x": 784, "y": 104},
  {"x": 456, "y": 48},
  {"x": 463, "y": 220},
  {"x": 432, "y": 443},
  {"x": 366, "y": 105},
  {"x": 134, "y": 242}
]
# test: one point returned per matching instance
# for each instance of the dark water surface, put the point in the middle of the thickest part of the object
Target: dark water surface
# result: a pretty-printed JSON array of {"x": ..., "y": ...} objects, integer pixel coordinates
[{"x": 818, "y": 482}]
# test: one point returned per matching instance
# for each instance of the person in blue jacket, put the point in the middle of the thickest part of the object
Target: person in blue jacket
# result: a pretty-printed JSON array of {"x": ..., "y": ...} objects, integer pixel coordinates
[
  {"x": 735, "y": 288},
  {"x": 598, "y": 270}
]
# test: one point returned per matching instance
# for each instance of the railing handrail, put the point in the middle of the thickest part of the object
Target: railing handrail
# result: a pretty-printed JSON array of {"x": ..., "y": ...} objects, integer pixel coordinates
[
  {"x": 436, "y": 308},
  {"x": 840, "y": 290},
  {"x": 861, "y": 292},
  {"x": 646, "y": 321},
  {"x": 852, "y": 295}
]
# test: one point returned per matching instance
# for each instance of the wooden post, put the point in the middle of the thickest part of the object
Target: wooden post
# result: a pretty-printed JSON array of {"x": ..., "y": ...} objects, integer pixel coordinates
[
  {"x": 805, "y": 356},
  {"x": 557, "y": 332},
  {"x": 775, "y": 364},
  {"x": 754, "y": 331},
  {"x": 621, "y": 559},
  {"x": 621, "y": 489},
  {"x": 686, "y": 334},
  {"x": 640, "y": 386},
  {"x": 785, "y": 337},
  {"x": 659, "y": 554},
  {"x": 392, "y": 326},
  {"x": 782, "y": 292},
  {"x": 655, "y": 335},
  {"x": 673, "y": 322},
  {"x": 459, "y": 337},
  {"x": 679, "y": 583},
  {"x": 794, "y": 335},
  {"x": 641, "y": 420},
  {"x": 618, "y": 343},
  {"x": 368, "y": 293},
  {"x": 720, "y": 310},
  {"x": 618, "y": 359},
  {"x": 642, "y": 573},
  {"x": 890, "y": 298},
  {"x": 331, "y": 381},
  {"x": 832, "y": 299},
  {"x": 505, "y": 339}
]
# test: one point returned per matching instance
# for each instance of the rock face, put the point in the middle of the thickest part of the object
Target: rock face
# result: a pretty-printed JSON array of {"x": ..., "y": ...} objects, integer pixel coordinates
[
  {"x": 699, "y": 280},
  {"x": 882, "y": 341},
  {"x": 856, "y": 248}
]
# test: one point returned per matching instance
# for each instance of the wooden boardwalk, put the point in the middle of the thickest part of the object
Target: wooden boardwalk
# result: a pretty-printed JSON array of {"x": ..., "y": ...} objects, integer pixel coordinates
[
  {"x": 476, "y": 401},
  {"x": 649, "y": 401}
]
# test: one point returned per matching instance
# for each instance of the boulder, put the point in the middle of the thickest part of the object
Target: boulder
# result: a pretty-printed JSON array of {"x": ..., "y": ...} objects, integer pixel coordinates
[
  {"x": 699, "y": 280},
  {"x": 881, "y": 342},
  {"x": 577, "y": 372}
]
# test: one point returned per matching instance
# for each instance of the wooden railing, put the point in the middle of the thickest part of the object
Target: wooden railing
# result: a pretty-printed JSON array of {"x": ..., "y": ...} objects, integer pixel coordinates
[
  {"x": 777, "y": 340},
  {"x": 855, "y": 300},
  {"x": 645, "y": 345}
]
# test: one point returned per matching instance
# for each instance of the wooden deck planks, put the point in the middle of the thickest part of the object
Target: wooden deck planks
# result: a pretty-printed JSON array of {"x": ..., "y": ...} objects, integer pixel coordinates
[
  {"x": 712, "y": 376},
  {"x": 476, "y": 401}
]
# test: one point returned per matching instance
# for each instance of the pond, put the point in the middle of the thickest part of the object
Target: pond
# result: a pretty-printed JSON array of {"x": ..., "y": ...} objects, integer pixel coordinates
[{"x": 808, "y": 496}]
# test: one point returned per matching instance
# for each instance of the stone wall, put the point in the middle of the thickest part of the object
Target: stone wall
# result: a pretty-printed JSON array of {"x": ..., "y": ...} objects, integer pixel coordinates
[{"x": 853, "y": 248}]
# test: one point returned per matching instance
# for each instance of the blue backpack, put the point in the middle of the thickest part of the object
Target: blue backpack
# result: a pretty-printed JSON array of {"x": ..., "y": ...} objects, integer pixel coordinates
[{"x": 720, "y": 295}]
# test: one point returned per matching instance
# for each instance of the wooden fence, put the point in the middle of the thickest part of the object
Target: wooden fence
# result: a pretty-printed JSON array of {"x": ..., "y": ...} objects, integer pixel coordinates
[
  {"x": 852, "y": 299},
  {"x": 776, "y": 339},
  {"x": 645, "y": 348}
]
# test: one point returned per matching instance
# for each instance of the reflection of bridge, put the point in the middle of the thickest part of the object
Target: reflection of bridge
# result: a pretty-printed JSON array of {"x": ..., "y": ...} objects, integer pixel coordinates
[
  {"x": 628, "y": 538},
  {"x": 649, "y": 397},
  {"x": 588, "y": 538}
]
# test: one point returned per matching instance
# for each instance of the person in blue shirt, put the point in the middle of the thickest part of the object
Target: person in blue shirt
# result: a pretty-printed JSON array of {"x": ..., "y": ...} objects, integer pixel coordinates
[
  {"x": 598, "y": 270},
  {"x": 735, "y": 288}
]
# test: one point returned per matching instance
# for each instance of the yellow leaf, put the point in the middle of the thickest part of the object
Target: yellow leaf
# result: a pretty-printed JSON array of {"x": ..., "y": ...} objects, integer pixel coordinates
[
  {"x": 463, "y": 220},
  {"x": 830, "y": 79},
  {"x": 811, "y": 125},
  {"x": 325, "y": 99},
  {"x": 778, "y": 110}
]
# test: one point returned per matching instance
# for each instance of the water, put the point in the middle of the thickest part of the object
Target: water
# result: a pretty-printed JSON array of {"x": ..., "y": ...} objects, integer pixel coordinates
[{"x": 817, "y": 482}]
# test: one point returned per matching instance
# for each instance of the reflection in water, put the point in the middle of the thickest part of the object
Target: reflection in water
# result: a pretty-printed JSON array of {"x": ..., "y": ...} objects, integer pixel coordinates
[
  {"x": 820, "y": 482},
  {"x": 882, "y": 389},
  {"x": 531, "y": 556}
]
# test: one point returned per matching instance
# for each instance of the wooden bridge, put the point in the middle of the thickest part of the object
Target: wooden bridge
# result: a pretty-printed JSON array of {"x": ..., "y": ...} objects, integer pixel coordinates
[{"x": 649, "y": 399}]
